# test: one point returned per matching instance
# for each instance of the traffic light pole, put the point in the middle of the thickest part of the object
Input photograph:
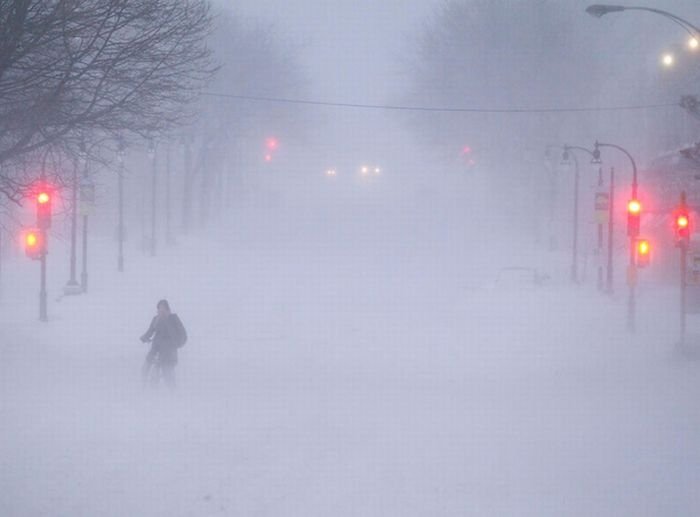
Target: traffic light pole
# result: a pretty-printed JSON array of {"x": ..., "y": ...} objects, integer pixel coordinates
[
  {"x": 684, "y": 265},
  {"x": 683, "y": 243},
  {"x": 632, "y": 280},
  {"x": 43, "y": 316},
  {"x": 600, "y": 237}
]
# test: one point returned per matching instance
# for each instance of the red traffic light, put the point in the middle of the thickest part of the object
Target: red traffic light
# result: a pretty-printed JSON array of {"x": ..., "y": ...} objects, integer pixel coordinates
[
  {"x": 634, "y": 211},
  {"x": 34, "y": 244},
  {"x": 681, "y": 223},
  {"x": 271, "y": 143},
  {"x": 43, "y": 207},
  {"x": 682, "y": 226}
]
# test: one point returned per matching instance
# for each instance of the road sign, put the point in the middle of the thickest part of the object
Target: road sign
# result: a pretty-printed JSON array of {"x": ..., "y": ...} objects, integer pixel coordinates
[{"x": 602, "y": 206}]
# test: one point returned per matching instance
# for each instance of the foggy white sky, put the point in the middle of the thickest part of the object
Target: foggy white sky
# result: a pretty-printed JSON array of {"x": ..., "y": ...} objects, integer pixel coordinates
[{"x": 351, "y": 47}]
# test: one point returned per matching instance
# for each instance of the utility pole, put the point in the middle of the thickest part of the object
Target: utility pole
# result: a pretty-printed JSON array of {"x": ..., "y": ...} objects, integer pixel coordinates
[{"x": 611, "y": 226}]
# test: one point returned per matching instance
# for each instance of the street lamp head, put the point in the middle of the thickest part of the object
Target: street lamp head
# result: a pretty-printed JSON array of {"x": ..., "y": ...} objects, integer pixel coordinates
[
  {"x": 596, "y": 156},
  {"x": 667, "y": 59},
  {"x": 693, "y": 43},
  {"x": 599, "y": 10},
  {"x": 565, "y": 157}
]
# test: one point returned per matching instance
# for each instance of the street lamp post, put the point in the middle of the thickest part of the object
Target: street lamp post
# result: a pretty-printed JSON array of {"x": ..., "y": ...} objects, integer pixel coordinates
[
  {"x": 72, "y": 287},
  {"x": 568, "y": 151},
  {"x": 599, "y": 10},
  {"x": 87, "y": 199},
  {"x": 120, "y": 229},
  {"x": 632, "y": 272},
  {"x": 574, "y": 242},
  {"x": 154, "y": 197},
  {"x": 611, "y": 227},
  {"x": 552, "y": 198}
]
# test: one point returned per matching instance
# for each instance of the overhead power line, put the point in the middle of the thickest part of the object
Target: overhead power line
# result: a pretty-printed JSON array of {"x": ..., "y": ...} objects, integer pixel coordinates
[{"x": 443, "y": 109}]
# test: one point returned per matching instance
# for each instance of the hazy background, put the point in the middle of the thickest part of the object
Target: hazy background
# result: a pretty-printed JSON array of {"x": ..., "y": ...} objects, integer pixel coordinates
[{"x": 409, "y": 342}]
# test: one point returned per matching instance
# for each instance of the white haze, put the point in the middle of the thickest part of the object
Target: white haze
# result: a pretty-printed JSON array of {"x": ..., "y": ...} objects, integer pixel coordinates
[{"x": 358, "y": 346}]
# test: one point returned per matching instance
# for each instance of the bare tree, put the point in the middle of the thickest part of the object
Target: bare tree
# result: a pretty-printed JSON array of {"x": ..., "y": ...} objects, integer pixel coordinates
[
  {"x": 501, "y": 54},
  {"x": 76, "y": 69}
]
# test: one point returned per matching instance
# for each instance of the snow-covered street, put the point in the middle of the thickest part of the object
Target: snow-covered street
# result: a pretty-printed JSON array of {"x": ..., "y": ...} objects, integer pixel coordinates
[
  {"x": 349, "y": 258},
  {"x": 343, "y": 368}
]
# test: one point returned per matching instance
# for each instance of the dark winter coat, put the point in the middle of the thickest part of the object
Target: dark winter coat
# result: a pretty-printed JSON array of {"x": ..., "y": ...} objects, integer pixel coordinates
[{"x": 167, "y": 335}]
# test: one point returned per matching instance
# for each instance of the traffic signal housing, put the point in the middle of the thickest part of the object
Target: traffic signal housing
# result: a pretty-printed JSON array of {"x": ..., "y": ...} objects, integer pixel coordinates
[
  {"x": 634, "y": 212},
  {"x": 643, "y": 253},
  {"x": 682, "y": 227},
  {"x": 43, "y": 208},
  {"x": 34, "y": 244},
  {"x": 271, "y": 146}
]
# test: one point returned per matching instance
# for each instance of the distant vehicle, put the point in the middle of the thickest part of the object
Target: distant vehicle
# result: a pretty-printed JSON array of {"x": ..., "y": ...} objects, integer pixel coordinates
[{"x": 370, "y": 170}]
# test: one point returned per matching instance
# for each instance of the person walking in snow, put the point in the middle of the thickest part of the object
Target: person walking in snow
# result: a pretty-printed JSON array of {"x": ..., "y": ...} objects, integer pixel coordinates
[{"x": 166, "y": 334}]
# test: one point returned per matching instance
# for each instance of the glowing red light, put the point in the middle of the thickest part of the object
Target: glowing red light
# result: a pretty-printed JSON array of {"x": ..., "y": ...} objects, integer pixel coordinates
[
  {"x": 31, "y": 239},
  {"x": 271, "y": 143},
  {"x": 682, "y": 221},
  {"x": 466, "y": 149},
  {"x": 634, "y": 207},
  {"x": 43, "y": 198},
  {"x": 268, "y": 157}
]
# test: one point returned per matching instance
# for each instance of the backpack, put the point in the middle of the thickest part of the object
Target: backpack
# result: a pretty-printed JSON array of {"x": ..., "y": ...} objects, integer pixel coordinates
[{"x": 181, "y": 332}]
